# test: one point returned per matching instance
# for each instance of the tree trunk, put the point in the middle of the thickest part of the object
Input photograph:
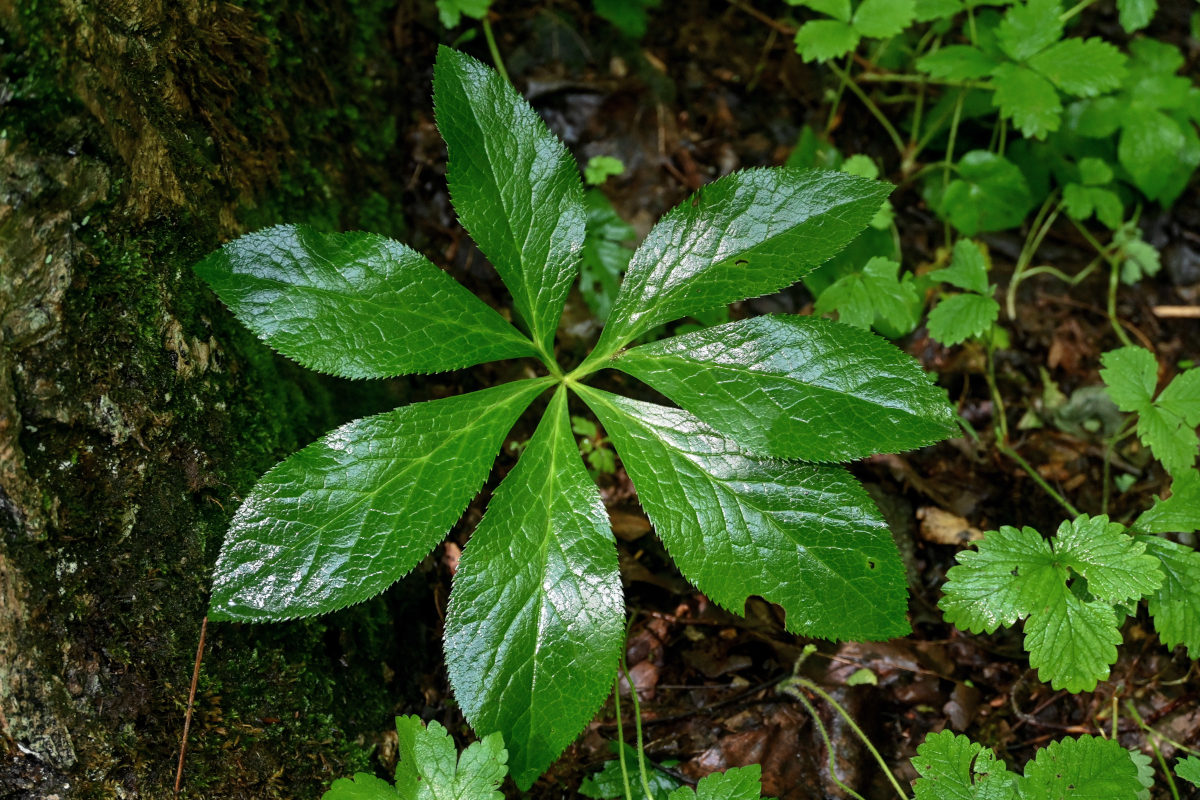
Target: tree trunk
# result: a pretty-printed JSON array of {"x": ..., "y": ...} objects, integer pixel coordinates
[{"x": 134, "y": 412}]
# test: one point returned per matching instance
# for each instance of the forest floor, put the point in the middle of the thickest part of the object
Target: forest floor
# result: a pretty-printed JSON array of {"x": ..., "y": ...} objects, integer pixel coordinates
[{"x": 717, "y": 90}]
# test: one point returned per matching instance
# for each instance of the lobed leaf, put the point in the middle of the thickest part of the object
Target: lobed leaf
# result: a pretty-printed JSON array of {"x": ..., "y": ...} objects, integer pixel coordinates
[
  {"x": 747, "y": 234},
  {"x": 804, "y": 536},
  {"x": 1179, "y": 513},
  {"x": 1028, "y": 99},
  {"x": 1084, "y": 768},
  {"x": 1029, "y": 27},
  {"x": 1082, "y": 67},
  {"x": 1131, "y": 374},
  {"x": 876, "y": 292},
  {"x": 881, "y": 19},
  {"x": 429, "y": 768},
  {"x": 797, "y": 387},
  {"x": 357, "y": 305},
  {"x": 1189, "y": 769},
  {"x": 1072, "y": 642},
  {"x": 515, "y": 187},
  {"x": 952, "y": 767},
  {"x": 1175, "y": 605},
  {"x": 536, "y": 616},
  {"x": 962, "y": 316},
  {"x": 968, "y": 268},
  {"x": 344, "y": 518},
  {"x": 736, "y": 783},
  {"x": 1116, "y": 566},
  {"x": 822, "y": 39},
  {"x": 361, "y": 787}
]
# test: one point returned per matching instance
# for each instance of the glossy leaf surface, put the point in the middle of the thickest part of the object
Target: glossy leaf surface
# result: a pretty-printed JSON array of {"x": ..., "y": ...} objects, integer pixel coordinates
[
  {"x": 347, "y": 516},
  {"x": 514, "y": 185},
  {"x": 797, "y": 387},
  {"x": 1083, "y": 768},
  {"x": 357, "y": 305},
  {"x": 736, "y": 783},
  {"x": 1175, "y": 606},
  {"x": 804, "y": 536},
  {"x": 536, "y": 616},
  {"x": 745, "y": 235},
  {"x": 952, "y": 767}
]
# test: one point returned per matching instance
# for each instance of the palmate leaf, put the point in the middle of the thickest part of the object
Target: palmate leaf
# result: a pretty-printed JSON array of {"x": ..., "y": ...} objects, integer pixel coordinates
[
  {"x": 357, "y": 305},
  {"x": 514, "y": 185},
  {"x": 1179, "y": 513},
  {"x": 874, "y": 293},
  {"x": 797, "y": 387},
  {"x": 347, "y": 516},
  {"x": 536, "y": 615},
  {"x": 745, "y": 235},
  {"x": 804, "y": 536}
]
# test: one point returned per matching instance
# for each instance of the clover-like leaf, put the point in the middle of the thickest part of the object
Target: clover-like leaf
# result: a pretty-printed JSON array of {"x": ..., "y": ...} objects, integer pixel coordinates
[
  {"x": 347, "y": 516},
  {"x": 1167, "y": 425},
  {"x": 428, "y": 768},
  {"x": 874, "y": 293},
  {"x": 514, "y": 185},
  {"x": 989, "y": 194},
  {"x": 804, "y": 536},
  {"x": 797, "y": 387},
  {"x": 747, "y": 234},
  {"x": 536, "y": 615},
  {"x": 357, "y": 305}
]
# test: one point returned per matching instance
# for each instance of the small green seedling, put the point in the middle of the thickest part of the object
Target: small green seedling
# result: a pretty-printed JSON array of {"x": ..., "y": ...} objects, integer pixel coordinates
[
  {"x": 738, "y": 480},
  {"x": 971, "y": 313},
  {"x": 1166, "y": 423}
]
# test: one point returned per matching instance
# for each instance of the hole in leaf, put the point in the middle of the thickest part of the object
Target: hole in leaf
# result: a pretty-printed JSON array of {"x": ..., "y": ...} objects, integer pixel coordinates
[{"x": 741, "y": 262}]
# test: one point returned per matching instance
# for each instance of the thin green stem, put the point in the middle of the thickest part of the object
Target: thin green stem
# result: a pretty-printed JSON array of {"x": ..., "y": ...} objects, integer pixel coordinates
[
  {"x": 1075, "y": 9},
  {"x": 925, "y": 80},
  {"x": 1109, "y": 254},
  {"x": 1038, "y": 479},
  {"x": 816, "y": 718},
  {"x": 831, "y": 120},
  {"x": 637, "y": 725},
  {"x": 493, "y": 49},
  {"x": 621, "y": 739},
  {"x": 870, "y": 104},
  {"x": 1037, "y": 232}
]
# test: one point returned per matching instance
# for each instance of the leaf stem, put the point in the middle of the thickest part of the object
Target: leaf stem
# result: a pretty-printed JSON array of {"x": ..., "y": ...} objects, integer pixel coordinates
[
  {"x": 637, "y": 724},
  {"x": 493, "y": 49},
  {"x": 1038, "y": 479},
  {"x": 621, "y": 737},
  {"x": 1037, "y": 232},
  {"x": 1075, "y": 9},
  {"x": 874, "y": 109}
]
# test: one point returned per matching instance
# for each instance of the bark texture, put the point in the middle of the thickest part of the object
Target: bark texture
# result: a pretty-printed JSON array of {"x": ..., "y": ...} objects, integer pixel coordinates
[{"x": 135, "y": 136}]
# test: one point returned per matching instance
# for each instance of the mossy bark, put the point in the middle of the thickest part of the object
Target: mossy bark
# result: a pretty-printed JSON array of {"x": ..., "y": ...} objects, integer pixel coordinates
[{"x": 136, "y": 136}]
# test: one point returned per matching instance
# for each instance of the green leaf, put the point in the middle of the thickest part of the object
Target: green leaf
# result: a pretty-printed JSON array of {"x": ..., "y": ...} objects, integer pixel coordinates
[
  {"x": 798, "y": 387},
  {"x": 1139, "y": 258},
  {"x": 1179, "y": 513},
  {"x": 1136, "y": 14},
  {"x": 822, "y": 39},
  {"x": 929, "y": 10},
  {"x": 838, "y": 9},
  {"x": 737, "y": 783},
  {"x": 608, "y": 783},
  {"x": 357, "y": 305},
  {"x": 1095, "y": 171},
  {"x": 881, "y": 19},
  {"x": 1029, "y": 28},
  {"x": 1081, "y": 769},
  {"x": 1149, "y": 147},
  {"x": 1015, "y": 573},
  {"x": 1167, "y": 426},
  {"x": 451, "y": 12},
  {"x": 514, "y": 185},
  {"x": 361, "y": 787},
  {"x": 1130, "y": 373},
  {"x": 953, "y": 767},
  {"x": 1028, "y": 99},
  {"x": 601, "y": 168},
  {"x": 536, "y": 616},
  {"x": 628, "y": 16},
  {"x": 957, "y": 62},
  {"x": 428, "y": 768},
  {"x": 804, "y": 536},
  {"x": 747, "y": 234},
  {"x": 876, "y": 292},
  {"x": 347, "y": 516},
  {"x": 1072, "y": 643},
  {"x": 1182, "y": 397},
  {"x": 962, "y": 316},
  {"x": 1189, "y": 769},
  {"x": 968, "y": 268},
  {"x": 605, "y": 255},
  {"x": 1082, "y": 67},
  {"x": 1175, "y": 606},
  {"x": 1145, "y": 771},
  {"x": 989, "y": 194}
]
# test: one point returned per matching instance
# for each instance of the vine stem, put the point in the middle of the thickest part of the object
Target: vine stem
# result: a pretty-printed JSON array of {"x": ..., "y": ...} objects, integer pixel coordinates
[
  {"x": 493, "y": 49},
  {"x": 870, "y": 104}
]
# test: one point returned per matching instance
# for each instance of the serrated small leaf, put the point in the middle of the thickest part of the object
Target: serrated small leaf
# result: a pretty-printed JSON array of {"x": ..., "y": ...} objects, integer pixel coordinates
[
  {"x": 361, "y": 787},
  {"x": 881, "y": 19},
  {"x": 962, "y": 316},
  {"x": 1136, "y": 14},
  {"x": 989, "y": 194},
  {"x": 1181, "y": 397},
  {"x": 747, "y": 234},
  {"x": 1116, "y": 566},
  {"x": 838, "y": 9},
  {"x": 609, "y": 784},
  {"x": 1149, "y": 148},
  {"x": 1172, "y": 441},
  {"x": 515, "y": 187},
  {"x": 822, "y": 39},
  {"x": 804, "y": 536},
  {"x": 1029, "y": 27},
  {"x": 1175, "y": 606},
  {"x": 344, "y": 518},
  {"x": 357, "y": 305},
  {"x": 957, "y": 62},
  {"x": 736, "y": 783},
  {"x": 929, "y": 10},
  {"x": 968, "y": 268},
  {"x": 1082, "y": 67},
  {"x": 605, "y": 255},
  {"x": 952, "y": 767},
  {"x": 1010, "y": 575},
  {"x": 1028, "y": 99},
  {"x": 451, "y": 12},
  {"x": 536, "y": 615},
  {"x": 1072, "y": 643},
  {"x": 1086, "y": 768},
  {"x": 1179, "y": 513},
  {"x": 798, "y": 387},
  {"x": 1130, "y": 374},
  {"x": 874, "y": 293},
  {"x": 1189, "y": 769},
  {"x": 1145, "y": 770},
  {"x": 429, "y": 768},
  {"x": 1094, "y": 171}
]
